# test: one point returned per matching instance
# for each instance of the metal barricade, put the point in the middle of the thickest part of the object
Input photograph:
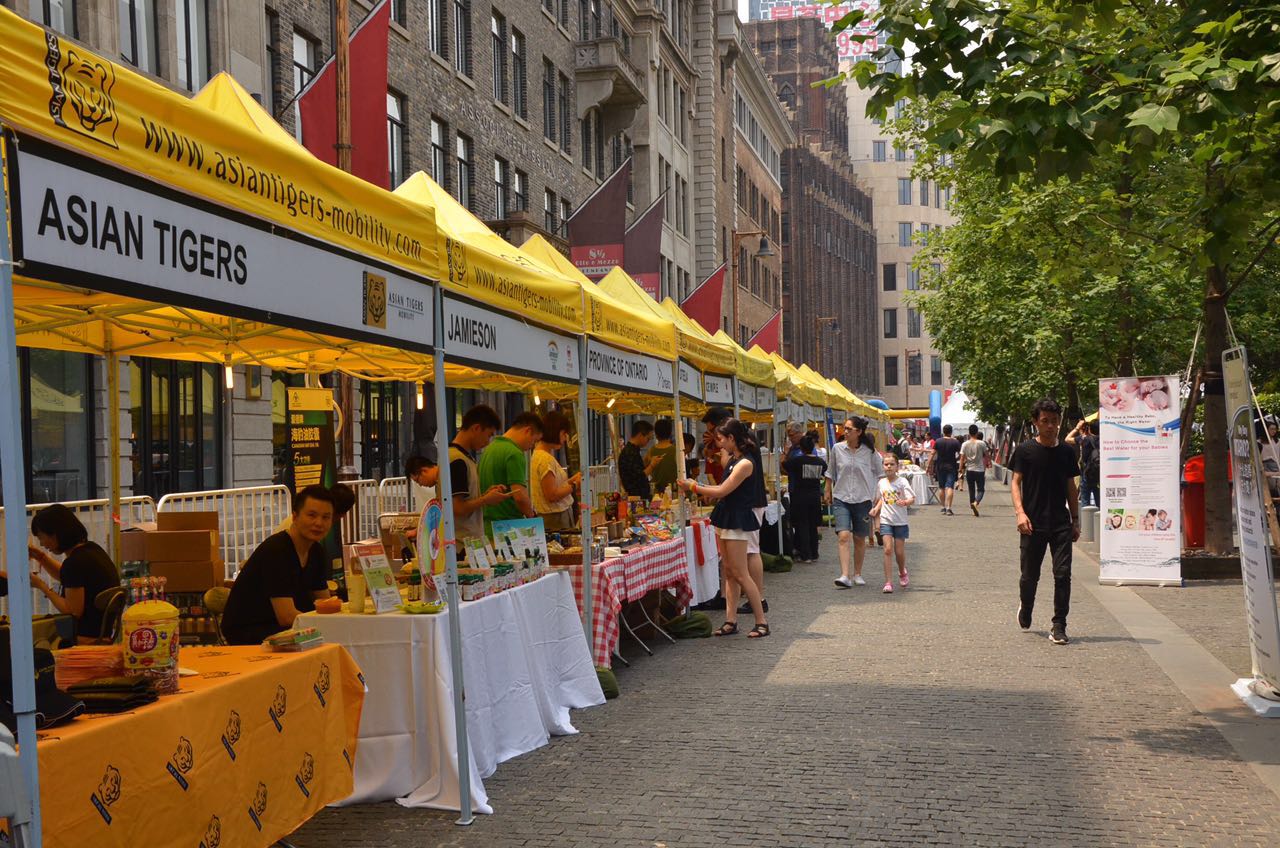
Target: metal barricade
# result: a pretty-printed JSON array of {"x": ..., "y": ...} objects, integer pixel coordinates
[
  {"x": 246, "y": 517},
  {"x": 362, "y": 521},
  {"x": 394, "y": 495},
  {"x": 95, "y": 515},
  {"x": 604, "y": 480}
]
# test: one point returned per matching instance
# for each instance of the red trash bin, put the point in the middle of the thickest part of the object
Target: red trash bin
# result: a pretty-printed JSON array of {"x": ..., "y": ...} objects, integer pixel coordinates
[{"x": 1193, "y": 502}]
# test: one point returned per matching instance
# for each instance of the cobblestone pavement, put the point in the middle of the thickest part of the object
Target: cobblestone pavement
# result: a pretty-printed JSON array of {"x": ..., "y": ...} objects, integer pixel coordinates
[{"x": 919, "y": 718}]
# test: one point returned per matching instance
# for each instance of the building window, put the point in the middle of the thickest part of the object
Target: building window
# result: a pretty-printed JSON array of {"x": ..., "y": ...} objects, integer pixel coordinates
[
  {"x": 177, "y": 426},
  {"x": 398, "y": 11},
  {"x": 519, "y": 75},
  {"x": 924, "y": 233},
  {"x": 439, "y": 151},
  {"x": 877, "y": 151},
  {"x": 937, "y": 195},
  {"x": 566, "y": 210},
  {"x": 549, "y": 211},
  {"x": 899, "y": 153},
  {"x": 889, "y": 272},
  {"x": 548, "y": 100},
  {"x": 913, "y": 369},
  {"x": 890, "y": 323},
  {"x": 498, "y": 35},
  {"x": 58, "y": 15},
  {"x": 566, "y": 114},
  {"x": 904, "y": 234},
  {"x": 935, "y": 370},
  {"x": 438, "y": 11},
  {"x": 462, "y": 36},
  {"x": 193, "y": 43},
  {"x": 274, "y": 85},
  {"x": 381, "y": 408},
  {"x": 466, "y": 171},
  {"x": 305, "y": 56},
  {"x": 891, "y": 370},
  {"x": 913, "y": 279},
  {"x": 138, "y": 34},
  {"x": 500, "y": 179},
  {"x": 913, "y": 323},
  {"x": 904, "y": 191},
  {"x": 57, "y": 415},
  {"x": 395, "y": 138},
  {"x": 520, "y": 192},
  {"x": 924, "y": 192}
]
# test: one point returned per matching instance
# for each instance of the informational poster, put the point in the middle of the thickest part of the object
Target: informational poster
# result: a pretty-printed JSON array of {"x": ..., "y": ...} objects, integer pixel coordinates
[
  {"x": 1138, "y": 429},
  {"x": 378, "y": 578},
  {"x": 1251, "y": 519},
  {"x": 526, "y": 539},
  {"x": 431, "y": 539},
  {"x": 312, "y": 461}
]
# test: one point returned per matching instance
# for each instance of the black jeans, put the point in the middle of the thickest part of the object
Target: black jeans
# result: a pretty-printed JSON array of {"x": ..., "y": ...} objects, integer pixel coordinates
[
  {"x": 1058, "y": 542},
  {"x": 806, "y": 512},
  {"x": 977, "y": 481}
]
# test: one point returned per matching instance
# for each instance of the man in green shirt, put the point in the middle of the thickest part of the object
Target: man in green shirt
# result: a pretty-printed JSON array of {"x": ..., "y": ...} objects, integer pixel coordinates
[{"x": 504, "y": 463}]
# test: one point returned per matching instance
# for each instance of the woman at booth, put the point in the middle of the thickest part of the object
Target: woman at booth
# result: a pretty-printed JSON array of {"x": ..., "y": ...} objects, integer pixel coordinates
[
  {"x": 553, "y": 488},
  {"x": 85, "y": 570},
  {"x": 735, "y": 520}
]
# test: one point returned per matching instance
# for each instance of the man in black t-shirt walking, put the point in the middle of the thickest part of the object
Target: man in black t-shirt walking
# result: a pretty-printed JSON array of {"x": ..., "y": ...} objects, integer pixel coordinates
[
  {"x": 1045, "y": 503},
  {"x": 946, "y": 468}
]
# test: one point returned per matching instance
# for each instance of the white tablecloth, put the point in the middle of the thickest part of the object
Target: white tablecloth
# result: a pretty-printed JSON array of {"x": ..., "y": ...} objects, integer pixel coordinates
[
  {"x": 919, "y": 485},
  {"x": 703, "y": 579},
  {"x": 525, "y": 662}
]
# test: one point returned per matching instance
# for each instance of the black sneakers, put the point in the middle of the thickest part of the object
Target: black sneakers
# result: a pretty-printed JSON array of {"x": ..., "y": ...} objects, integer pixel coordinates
[
  {"x": 1024, "y": 617},
  {"x": 1058, "y": 635}
]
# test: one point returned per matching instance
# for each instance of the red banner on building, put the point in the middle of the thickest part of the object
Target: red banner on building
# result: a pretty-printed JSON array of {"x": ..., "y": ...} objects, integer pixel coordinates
[
  {"x": 768, "y": 336},
  {"x": 642, "y": 257},
  {"x": 318, "y": 102},
  {"x": 597, "y": 228},
  {"x": 703, "y": 303}
]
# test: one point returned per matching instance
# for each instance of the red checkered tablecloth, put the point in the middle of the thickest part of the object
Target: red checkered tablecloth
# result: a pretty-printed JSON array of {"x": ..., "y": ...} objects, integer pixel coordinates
[
  {"x": 661, "y": 566},
  {"x": 608, "y": 586},
  {"x": 630, "y": 578}
]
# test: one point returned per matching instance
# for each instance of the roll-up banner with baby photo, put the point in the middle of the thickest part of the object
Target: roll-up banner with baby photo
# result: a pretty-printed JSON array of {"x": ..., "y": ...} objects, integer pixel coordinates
[{"x": 1138, "y": 430}]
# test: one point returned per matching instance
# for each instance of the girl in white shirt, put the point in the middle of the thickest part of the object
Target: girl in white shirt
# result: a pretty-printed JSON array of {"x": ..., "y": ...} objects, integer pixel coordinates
[{"x": 895, "y": 495}]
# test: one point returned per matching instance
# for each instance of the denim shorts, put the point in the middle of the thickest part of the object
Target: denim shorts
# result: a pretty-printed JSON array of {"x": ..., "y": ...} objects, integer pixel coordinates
[
  {"x": 895, "y": 531},
  {"x": 852, "y": 517},
  {"x": 947, "y": 479}
]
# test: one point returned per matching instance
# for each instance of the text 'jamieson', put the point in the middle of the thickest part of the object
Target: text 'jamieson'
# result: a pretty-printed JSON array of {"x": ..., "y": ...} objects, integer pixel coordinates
[
  {"x": 473, "y": 332},
  {"x": 125, "y": 233}
]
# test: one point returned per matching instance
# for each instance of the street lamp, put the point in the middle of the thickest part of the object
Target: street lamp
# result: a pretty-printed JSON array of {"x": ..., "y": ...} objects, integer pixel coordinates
[
  {"x": 765, "y": 251},
  {"x": 818, "y": 321}
]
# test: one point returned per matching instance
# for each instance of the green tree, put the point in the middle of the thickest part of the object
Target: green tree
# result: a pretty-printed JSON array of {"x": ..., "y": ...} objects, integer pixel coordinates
[{"x": 1045, "y": 89}]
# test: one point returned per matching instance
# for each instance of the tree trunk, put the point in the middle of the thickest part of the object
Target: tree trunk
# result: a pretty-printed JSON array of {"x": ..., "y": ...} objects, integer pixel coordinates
[{"x": 1217, "y": 491}]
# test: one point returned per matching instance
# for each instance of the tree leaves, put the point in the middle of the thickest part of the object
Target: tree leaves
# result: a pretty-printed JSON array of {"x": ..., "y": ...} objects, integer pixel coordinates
[{"x": 1157, "y": 118}]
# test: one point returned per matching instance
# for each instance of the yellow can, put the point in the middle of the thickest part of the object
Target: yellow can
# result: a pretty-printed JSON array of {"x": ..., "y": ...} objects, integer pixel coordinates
[{"x": 151, "y": 643}]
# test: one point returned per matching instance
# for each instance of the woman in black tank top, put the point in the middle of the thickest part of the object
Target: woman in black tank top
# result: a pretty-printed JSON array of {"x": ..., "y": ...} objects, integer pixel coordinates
[{"x": 735, "y": 520}]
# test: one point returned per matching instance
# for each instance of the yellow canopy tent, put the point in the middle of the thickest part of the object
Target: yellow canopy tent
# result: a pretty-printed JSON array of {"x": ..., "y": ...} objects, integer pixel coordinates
[
  {"x": 619, "y": 326},
  {"x": 757, "y": 373}
]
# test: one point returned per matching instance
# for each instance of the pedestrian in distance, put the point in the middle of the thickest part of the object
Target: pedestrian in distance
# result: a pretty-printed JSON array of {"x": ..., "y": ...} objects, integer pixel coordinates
[
  {"x": 735, "y": 519},
  {"x": 1047, "y": 510},
  {"x": 853, "y": 471},
  {"x": 946, "y": 468},
  {"x": 894, "y": 496},
  {"x": 805, "y": 470},
  {"x": 973, "y": 467},
  {"x": 1084, "y": 440}
]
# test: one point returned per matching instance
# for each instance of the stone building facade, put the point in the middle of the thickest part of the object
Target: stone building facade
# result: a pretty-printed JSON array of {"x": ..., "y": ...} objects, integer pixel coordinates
[
  {"x": 827, "y": 230},
  {"x": 909, "y": 209}
]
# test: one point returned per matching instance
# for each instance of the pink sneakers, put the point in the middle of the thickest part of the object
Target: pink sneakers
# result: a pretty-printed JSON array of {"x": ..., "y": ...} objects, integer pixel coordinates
[
  {"x": 888, "y": 588},
  {"x": 903, "y": 580}
]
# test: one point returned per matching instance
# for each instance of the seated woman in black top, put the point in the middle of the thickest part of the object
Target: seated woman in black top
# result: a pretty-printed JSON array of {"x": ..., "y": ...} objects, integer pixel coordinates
[
  {"x": 735, "y": 520},
  {"x": 85, "y": 571},
  {"x": 284, "y": 576}
]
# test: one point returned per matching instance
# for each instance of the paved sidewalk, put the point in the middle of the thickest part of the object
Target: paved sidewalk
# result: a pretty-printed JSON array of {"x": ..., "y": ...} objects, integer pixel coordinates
[{"x": 920, "y": 718}]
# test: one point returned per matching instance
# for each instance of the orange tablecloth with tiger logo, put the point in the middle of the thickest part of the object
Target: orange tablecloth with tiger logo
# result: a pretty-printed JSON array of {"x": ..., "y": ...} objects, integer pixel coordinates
[{"x": 243, "y": 755}]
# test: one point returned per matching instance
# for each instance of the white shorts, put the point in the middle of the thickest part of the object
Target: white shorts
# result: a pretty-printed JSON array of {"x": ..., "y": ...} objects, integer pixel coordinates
[
  {"x": 753, "y": 544},
  {"x": 727, "y": 535}
]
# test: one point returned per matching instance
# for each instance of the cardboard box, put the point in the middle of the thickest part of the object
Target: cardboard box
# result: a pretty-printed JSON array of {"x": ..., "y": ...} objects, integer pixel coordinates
[
  {"x": 190, "y": 575},
  {"x": 187, "y": 521},
  {"x": 169, "y": 546}
]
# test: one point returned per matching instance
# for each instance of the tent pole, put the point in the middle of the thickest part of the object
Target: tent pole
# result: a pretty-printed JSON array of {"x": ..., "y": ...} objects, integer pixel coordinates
[
  {"x": 15, "y": 528},
  {"x": 445, "y": 491},
  {"x": 584, "y": 463},
  {"x": 677, "y": 440},
  {"x": 737, "y": 411},
  {"x": 113, "y": 434},
  {"x": 779, "y": 439}
]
